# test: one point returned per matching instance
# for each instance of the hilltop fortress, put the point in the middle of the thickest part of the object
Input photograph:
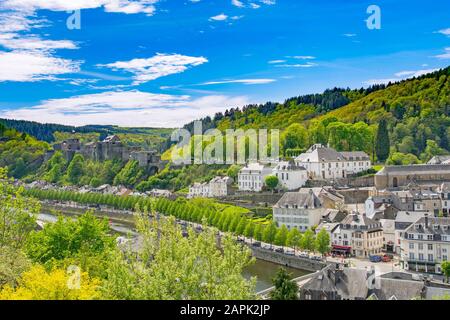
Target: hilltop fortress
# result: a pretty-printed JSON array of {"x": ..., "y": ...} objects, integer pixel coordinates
[{"x": 111, "y": 148}]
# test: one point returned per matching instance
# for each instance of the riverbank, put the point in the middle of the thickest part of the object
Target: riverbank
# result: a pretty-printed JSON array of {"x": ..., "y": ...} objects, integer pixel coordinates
[
  {"x": 127, "y": 218},
  {"x": 123, "y": 223}
]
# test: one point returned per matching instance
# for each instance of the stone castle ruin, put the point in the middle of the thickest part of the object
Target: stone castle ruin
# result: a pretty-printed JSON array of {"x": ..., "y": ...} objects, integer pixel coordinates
[{"x": 111, "y": 148}]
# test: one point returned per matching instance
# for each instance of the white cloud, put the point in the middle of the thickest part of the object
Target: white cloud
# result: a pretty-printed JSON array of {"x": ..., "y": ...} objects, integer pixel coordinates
[
  {"x": 276, "y": 61},
  {"x": 126, "y": 108},
  {"x": 122, "y": 6},
  {"x": 219, "y": 17},
  {"x": 445, "y": 55},
  {"x": 237, "y": 3},
  {"x": 372, "y": 82},
  {"x": 297, "y": 65},
  {"x": 444, "y": 31},
  {"x": 304, "y": 57},
  {"x": 349, "y": 35},
  {"x": 254, "y": 6},
  {"x": 25, "y": 66},
  {"x": 161, "y": 65},
  {"x": 412, "y": 74},
  {"x": 16, "y": 42},
  {"x": 401, "y": 75},
  {"x": 243, "y": 81}
]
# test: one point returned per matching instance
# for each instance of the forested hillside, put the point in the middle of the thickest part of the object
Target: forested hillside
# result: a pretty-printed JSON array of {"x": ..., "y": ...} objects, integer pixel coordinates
[
  {"x": 416, "y": 111},
  {"x": 20, "y": 153}
]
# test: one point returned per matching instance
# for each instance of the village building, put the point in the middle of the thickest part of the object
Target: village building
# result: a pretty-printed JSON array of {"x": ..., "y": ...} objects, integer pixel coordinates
[
  {"x": 403, "y": 220},
  {"x": 400, "y": 176},
  {"x": 220, "y": 187},
  {"x": 439, "y": 160},
  {"x": 216, "y": 188},
  {"x": 444, "y": 191},
  {"x": 380, "y": 207},
  {"x": 290, "y": 176},
  {"x": 251, "y": 177},
  {"x": 426, "y": 244},
  {"x": 199, "y": 190},
  {"x": 335, "y": 282},
  {"x": 358, "y": 235},
  {"x": 323, "y": 163},
  {"x": 301, "y": 210}
]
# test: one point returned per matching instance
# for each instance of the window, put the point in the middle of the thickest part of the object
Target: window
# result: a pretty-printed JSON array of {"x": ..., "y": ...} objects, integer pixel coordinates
[
  {"x": 421, "y": 256},
  {"x": 420, "y": 246},
  {"x": 411, "y": 246},
  {"x": 430, "y": 247},
  {"x": 430, "y": 258},
  {"x": 430, "y": 237},
  {"x": 411, "y": 255}
]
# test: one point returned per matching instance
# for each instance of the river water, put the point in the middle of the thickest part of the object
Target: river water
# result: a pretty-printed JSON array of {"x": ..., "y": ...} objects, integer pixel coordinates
[{"x": 264, "y": 271}]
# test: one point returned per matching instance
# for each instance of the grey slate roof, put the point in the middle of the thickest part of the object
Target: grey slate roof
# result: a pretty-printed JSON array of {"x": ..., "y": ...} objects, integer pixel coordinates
[
  {"x": 361, "y": 220},
  {"x": 400, "y": 289},
  {"x": 351, "y": 284},
  {"x": 432, "y": 221},
  {"x": 300, "y": 199},
  {"x": 418, "y": 168},
  {"x": 355, "y": 155}
]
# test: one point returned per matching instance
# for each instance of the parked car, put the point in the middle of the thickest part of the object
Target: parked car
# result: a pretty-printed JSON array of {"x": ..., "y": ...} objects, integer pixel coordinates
[
  {"x": 280, "y": 250},
  {"x": 386, "y": 258},
  {"x": 266, "y": 246},
  {"x": 316, "y": 258},
  {"x": 303, "y": 255},
  {"x": 257, "y": 244},
  {"x": 375, "y": 258},
  {"x": 290, "y": 252}
]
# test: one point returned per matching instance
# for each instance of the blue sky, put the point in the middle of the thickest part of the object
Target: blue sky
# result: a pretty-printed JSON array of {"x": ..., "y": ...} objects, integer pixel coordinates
[{"x": 166, "y": 62}]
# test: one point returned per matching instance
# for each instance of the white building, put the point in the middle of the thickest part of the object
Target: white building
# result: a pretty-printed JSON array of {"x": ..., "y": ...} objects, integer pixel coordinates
[
  {"x": 251, "y": 177},
  {"x": 220, "y": 187},
  {"x": 403, "y": 220},
  {"x": 199, "y": 190},
  {"x": 290, "y": 175},
  {"x": 324, "y": 163},
  {"x": 217, "y": 187},
  {"x": 426, "y": 244},
  {"x": 444, "y": 191},
  {"x": 358, "y": 235},
  {"x": 301, "y": 210}
]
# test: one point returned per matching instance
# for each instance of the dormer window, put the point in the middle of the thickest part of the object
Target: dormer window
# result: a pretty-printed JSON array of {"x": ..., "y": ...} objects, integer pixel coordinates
[
  {"x": 417, "y": 226},
  {"x": 436, "y": 227}
]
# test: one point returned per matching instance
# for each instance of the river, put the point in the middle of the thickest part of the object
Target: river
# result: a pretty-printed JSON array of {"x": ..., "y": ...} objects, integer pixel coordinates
[{"x": 264, "y": 271}]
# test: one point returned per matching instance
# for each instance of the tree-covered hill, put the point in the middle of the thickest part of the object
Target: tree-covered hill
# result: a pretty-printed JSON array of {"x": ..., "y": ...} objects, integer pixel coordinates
[
  {"x": 417, "y": 114},
  {"x": 46, "y": 131}
]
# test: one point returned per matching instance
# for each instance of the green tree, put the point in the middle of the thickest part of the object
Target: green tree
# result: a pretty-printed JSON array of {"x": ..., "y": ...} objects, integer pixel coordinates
[
  {"x": 75, "y": 169},
  {"x": 281, "y": 236},
  {"x": 17, "y": 213},
  {"x": 285, "y": 288},
  {"x": 293, "y": 238},
  {"x": 233, "y": 171},
  {"x": 269, "y": 234},
  {"x": 322, "y": 243},
  {"x": 170, "y": 267},
  {"x": 308, "y": 240},
  {"x": 445, "y": 266},
  {"x": 271, "y": 182},
  {"x": 382, "y": 145}
]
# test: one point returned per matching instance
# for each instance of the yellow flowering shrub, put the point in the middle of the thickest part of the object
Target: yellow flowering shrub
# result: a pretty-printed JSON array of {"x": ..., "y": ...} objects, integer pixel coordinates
[{"x": 38, "y": 284}]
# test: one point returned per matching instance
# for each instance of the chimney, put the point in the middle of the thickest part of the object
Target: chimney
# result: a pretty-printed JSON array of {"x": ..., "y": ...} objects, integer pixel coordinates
[{"x": 426, "y": 220}]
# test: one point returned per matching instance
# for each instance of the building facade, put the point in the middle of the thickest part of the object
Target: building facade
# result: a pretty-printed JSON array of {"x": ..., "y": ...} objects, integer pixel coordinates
[
  {"x": 290, "y": 175},
  {"x": 358, "y": 235},
  {"x": 301, "y": 210},
  {"x": 324, "y": 163},
  {"x": 391, "y": 177},
  {"x": 426, "y": 244},
  {"x": 251, "y": 177}
]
